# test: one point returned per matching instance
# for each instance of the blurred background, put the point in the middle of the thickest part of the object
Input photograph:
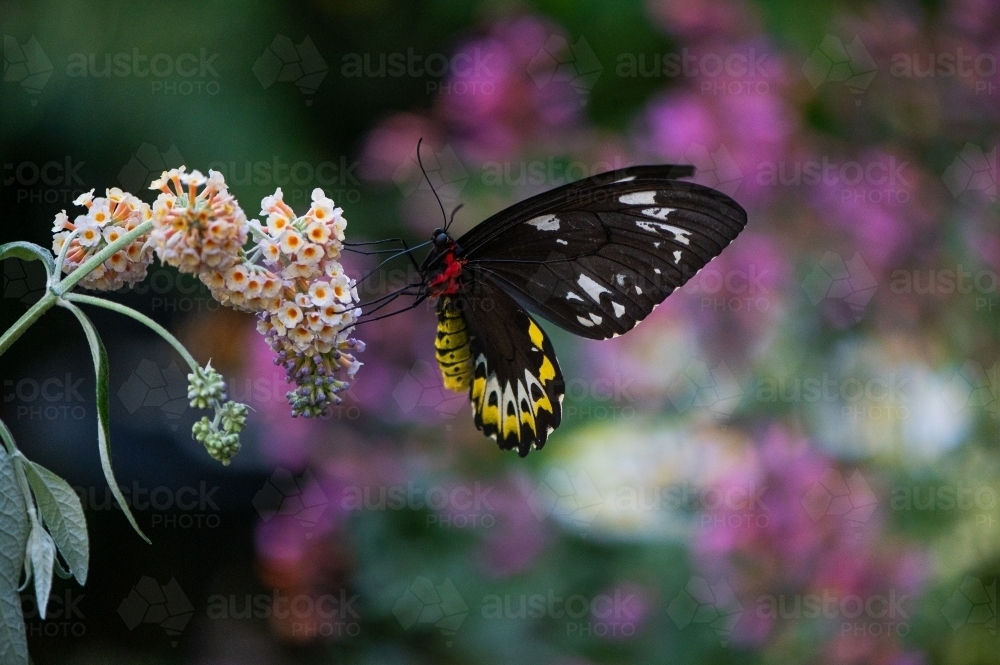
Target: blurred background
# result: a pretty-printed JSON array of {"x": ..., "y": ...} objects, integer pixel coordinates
[{"x": 794, "y": 460}]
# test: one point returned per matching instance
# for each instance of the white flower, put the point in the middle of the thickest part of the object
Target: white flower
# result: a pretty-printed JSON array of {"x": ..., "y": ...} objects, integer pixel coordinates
[
  {"x": 289, "y": 314},
  {"x": 310, "y": 254},
  {"x": 341, "y": 286},
  {"x": 61, "y": 222},
  {"x": 236, "y": 278},
  {"x": 84, "y": 199},
  {"x": 271, "y": 203},
  {"x": 290, "y": 242},
  {"x": 321, "y": 294},
  {"x": 112, "y": 233},
  {"x": 90, "y": 234},
  {"x": 100, "y": 213}
]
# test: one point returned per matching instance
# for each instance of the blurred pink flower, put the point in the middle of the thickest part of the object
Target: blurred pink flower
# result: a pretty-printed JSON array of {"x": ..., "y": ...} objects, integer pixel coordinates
[
  {"x": 518, "y": 537},
  {"x": 728, "y": 138},
  {"x": 802, "y": 543},
  {"x": 882, "y": 208},
  {"x": 694, "y": 19},
  {"x": 514, "y": 91}
]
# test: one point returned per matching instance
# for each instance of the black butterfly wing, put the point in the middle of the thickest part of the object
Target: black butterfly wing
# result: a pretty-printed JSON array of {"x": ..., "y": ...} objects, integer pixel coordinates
[
  {"x": 596, "y": 257},
  {"x": 516, "y": 386}
]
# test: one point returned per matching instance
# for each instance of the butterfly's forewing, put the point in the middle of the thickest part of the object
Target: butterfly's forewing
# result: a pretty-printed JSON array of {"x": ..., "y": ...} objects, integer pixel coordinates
[
  {"x": 598, "y": 256},
  {"x": 516, "y": 385}
]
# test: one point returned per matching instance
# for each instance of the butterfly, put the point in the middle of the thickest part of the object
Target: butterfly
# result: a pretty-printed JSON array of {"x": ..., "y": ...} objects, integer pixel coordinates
[{"x": 594, "y": 257}]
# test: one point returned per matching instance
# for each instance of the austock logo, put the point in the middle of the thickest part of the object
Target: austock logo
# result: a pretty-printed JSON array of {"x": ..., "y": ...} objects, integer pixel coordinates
[
  {"x": 715, "y": 168},
  {"x": 972, "y": 603},
  {"x": 873, "y": 615},
  {"x": 148, "y": 163},
  {"x": 283, "y": 61},
  {"x": 421, "y": 390},
  {"x": 150, "y": 386},
  {"x": 974, "y": 386},
  {"x": 701, "y": 602},
  {"x": 973, "y": 171},
  {"x": 425, "y": 604},
  {"x": 835, "y": 494},
  {"x": 444, "y": 170},
  {"x": 164, "y": 605},
  {"x": 23, "y": 280},
  {"x": 56, "y": 181},
  {"x": 699, "y": 387},
  {"x": 27, "y": 65},
  {"x": 63, "y": 617},
  {"x": 847, "y": 286},
  {"x": 560, "y": 63},
  {"x": 52, "y": 398},
  {"x": 307, "y": 615},
  {"x": 568, "y": 498},
  {"x": 285, "y": 494},
  {"x": 835, "y": 62}
]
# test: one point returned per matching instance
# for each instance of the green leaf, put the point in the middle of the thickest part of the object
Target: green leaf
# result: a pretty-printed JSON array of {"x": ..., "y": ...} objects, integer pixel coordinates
[
  {"x": 28, "y": 251},
  {"x": 14, "y": 528},
  {"x": 42, "y": 553},
  {"x": 63, "y": 515},
  {"x": 103, "y": 419}
]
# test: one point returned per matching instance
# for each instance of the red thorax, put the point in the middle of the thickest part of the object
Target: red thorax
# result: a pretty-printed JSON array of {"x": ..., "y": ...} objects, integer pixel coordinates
[{"x": 446, "y": 282}]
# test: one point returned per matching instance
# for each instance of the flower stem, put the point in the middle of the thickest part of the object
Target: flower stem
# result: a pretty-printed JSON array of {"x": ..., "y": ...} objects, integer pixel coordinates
[
  {"x": 8, "y": 438},
  {"x": 56, "y": 290},
  {"x": 22, "y": 324},
  {"x": 74, "y": 277},
  {"x": 141, "y": 318}
]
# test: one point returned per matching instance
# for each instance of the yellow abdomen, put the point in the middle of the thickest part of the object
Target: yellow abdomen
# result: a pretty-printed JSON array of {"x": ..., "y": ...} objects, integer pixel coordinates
[{"x": 452, "y": 347}]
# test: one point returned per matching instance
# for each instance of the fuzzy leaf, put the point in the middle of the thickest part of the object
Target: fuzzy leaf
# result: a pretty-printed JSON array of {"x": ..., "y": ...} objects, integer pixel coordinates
[
  {"x": 63, "y": 515},
  {"x": 103, "y": 417},
  {"x": 14, "y": 526},
  {"x": 28, "y": 251}
]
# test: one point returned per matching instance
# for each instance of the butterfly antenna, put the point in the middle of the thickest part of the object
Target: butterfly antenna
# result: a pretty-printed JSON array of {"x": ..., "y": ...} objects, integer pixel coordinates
[
  {"x": 452, "y": 218},
  {"x": 426, "y": 177}
]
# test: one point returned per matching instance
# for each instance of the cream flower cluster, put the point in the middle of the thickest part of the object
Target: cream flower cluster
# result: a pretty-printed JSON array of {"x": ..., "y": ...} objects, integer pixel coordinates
[
  {"x": 309, "y": 324},
  {"x": 194, "y": 230},
  {"x": 107, "y": 219}
]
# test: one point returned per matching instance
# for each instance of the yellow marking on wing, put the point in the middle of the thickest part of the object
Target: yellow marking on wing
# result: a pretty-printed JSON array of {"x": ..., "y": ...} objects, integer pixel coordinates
[
  {"x": 490, "y": 414},
  {"x": 547, "y": 371},
  {"x": 536, "y": 334},
  {"x": 478, "y": 389},
  {"x": 511, "y": 426},
  {"x": 528, "y": 417}
]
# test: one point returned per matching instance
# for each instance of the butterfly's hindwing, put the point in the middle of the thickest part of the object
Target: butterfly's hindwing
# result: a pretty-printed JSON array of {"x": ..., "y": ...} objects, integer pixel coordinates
[
  {"x": 598, "y": 260},
  {"x": 517, "y": 386}
]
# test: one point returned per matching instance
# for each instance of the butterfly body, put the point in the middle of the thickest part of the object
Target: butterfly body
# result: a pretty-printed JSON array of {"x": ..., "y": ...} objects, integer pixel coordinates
[{"x": 594, "y": 257}]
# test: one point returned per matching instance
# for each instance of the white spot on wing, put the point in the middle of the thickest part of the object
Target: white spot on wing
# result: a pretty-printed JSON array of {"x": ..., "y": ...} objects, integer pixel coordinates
[
  {"x": 620, "y": 278},
  {"x": 638, "y": 290},
  {"x": 593, "y": 289},
  {"x": 573, "y": 296},
  {"x": 658, "y": 213},
  {"x": 619, "y": 310},
  {"x": 638, "y": 198},
  {"x": 561, "y": 241},
  {"x": 629, "y": 178},
  {"x": 680, "y": 235},
  {"x": 656, "y": 270},
  {"x": 545, "y": 223},
  {"x": 595, "y": 318},
  {"x": 677, "y": 257},
  {"x": 585, "y": 322}
]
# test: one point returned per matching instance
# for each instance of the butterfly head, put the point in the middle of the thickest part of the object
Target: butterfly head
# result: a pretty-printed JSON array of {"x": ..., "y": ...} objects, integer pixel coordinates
[{"x": 441, "y": 238}]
